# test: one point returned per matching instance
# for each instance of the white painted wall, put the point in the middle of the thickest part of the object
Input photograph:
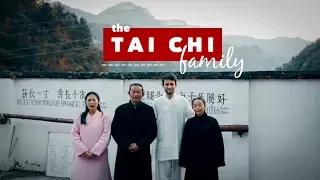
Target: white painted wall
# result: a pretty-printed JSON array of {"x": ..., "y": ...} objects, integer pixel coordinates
[
  {"x": 284, "y": 136},
  {"x": 283, "y": 117}
]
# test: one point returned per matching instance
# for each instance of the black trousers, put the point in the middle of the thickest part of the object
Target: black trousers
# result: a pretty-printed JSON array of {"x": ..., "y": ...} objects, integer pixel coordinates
[
  {"x": 201, "y": 173},
  {"x": 133, "y": 167}
]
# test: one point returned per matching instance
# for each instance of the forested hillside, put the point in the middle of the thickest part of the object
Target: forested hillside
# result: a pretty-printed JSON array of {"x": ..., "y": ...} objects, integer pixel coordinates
[
  {"x": 307, "y": 60},
  {"x": 38, "y": 36}
]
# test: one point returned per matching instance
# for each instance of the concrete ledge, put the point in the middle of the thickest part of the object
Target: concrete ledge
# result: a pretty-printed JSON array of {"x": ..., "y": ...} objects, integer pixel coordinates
[
  {"x": 18, "y": 175},
  {"x": 158, "y": 75},
  {"x": 227, "y": 128}
]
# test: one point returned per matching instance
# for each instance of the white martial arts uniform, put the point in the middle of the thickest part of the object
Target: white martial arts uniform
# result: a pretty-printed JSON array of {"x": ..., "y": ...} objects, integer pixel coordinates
[{"x": 171, "y": 115}]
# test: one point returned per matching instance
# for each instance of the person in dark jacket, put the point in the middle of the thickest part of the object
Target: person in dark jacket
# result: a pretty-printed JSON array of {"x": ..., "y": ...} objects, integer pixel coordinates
[
  {"x": 202, "y": 147},
  {"x": 134, "y": 128}
]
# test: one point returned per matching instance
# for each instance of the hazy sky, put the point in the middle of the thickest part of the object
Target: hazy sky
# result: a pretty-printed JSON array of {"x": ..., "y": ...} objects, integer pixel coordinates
[{"x": 256, "y": 18}]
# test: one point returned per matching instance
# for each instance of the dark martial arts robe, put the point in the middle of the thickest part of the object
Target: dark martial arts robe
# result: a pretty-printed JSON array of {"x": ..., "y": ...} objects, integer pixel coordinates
[
  {"x": 133, "y": 124},
  {"x": 202, "y": 148}
]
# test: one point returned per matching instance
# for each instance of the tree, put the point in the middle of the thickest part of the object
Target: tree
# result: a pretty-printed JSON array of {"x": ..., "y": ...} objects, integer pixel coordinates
[
  {"x": 38, "y": 36},
  {"x": 307, "y": 60}
]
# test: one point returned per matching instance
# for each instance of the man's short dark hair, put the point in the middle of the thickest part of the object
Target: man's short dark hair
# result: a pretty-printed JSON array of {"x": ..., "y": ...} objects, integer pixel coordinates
[
  {"x": 169, "y": 76},
  {"x": 136, "y": 84}
]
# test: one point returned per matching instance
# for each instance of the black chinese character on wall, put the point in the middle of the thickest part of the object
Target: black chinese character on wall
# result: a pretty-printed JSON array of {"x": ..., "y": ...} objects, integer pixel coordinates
[
  {"x": 150, "y": 95},
  {"x": 75, "y": 94},
  {"x": 24, "y": 93},
  {"x": 46, "y": 94},
  {"x": 82, "y": 94},
  {"x": 67, "y": 94},
  {"x": 158, "y": 94},
  {"x": 191, "y": 96},
  {"x": 210, "y": 98},
  {"x": 31, "y": 93},
  {"x": 60, "y": 93},
  {"x": 221, "y": 98}
]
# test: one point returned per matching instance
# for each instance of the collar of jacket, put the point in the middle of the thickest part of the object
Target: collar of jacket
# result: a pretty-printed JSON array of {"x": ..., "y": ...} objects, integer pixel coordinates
[
  {"x": 204, "y": 116},
  {"x": 135, "y": 105}
]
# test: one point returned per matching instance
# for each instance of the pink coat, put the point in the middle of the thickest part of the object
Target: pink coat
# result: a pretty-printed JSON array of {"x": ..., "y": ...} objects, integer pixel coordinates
[{"x": 93, "y": 137}]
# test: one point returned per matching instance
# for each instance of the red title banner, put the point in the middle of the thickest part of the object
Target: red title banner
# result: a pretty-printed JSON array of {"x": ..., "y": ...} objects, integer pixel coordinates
[{"x": 161, "y": 44}]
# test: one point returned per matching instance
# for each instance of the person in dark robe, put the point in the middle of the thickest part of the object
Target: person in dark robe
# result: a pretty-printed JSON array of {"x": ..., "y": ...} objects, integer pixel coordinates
[
  {"x": 134, "y": 128},
  {"x": 202, "y": 147}
]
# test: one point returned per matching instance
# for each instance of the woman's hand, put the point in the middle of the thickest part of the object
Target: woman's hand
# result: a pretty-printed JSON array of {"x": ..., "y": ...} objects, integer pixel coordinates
[
  {"x": 91, "y": 155},
  {"x": 88, "y": 155},
  {"x": 84, "y": 155}
]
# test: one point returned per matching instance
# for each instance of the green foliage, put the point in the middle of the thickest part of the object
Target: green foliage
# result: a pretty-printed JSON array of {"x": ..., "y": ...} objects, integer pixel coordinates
[
  {"x": 307, "y": 60},
  {"x": 38, "y": 36}
]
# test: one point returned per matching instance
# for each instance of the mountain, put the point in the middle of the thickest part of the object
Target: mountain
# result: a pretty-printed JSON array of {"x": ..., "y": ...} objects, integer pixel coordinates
[
  {"x": 307, "y": 60},
  {"x": 122, "y": 13},
  {"x": 258, "y": 54},
  {"x": 277, "y": 47},
  {"x": 128, "y": 13},
  {"x": 178, "y": 23},
  {"x": 78, "y": 12}
]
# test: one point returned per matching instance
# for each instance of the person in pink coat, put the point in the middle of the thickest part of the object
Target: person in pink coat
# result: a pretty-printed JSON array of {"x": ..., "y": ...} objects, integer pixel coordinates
[{"x": 91, "y": 132}]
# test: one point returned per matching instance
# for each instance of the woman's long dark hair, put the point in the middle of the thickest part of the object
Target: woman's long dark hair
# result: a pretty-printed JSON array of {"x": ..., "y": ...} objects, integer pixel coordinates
[{"x": 85, "y": 113}]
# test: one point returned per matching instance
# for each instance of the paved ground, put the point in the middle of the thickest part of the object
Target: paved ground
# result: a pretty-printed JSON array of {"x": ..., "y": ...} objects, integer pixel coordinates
[{"x": 28, "y": 176}]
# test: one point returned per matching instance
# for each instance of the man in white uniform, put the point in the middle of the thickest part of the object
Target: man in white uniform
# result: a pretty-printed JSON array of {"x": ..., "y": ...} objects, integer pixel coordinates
[{"x": 172, "y": 111}]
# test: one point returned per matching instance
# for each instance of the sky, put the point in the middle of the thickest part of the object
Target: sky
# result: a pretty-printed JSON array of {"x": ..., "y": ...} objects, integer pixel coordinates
[{"x": 256, "y": 18}]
